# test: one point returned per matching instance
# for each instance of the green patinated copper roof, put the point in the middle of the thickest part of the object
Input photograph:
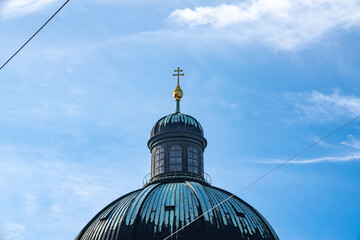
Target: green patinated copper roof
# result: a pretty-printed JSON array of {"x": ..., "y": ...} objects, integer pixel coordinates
[
  {"x": 177, "y": 122},
  {"x": 154, "y": 212}
]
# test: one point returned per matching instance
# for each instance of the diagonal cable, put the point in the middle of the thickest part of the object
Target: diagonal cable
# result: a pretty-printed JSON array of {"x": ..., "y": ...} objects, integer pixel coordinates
[
  {"x": 261, "y": 177},
  {"x": 34, "y": 35}
]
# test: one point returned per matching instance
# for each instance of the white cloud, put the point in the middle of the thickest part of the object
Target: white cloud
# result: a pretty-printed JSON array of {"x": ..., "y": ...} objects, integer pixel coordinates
[
  {"x": 15, "y": 8},
  {"x": 350, "y": 153},
  {"x": 53, "y": 187},
  {"x": 352, "y": 142},
  {"x": 347, "y": 158},
  {"x": 284, "y": 24},
  {"x": 319, "y": 107},
  {"x": 13, "y": 231}
]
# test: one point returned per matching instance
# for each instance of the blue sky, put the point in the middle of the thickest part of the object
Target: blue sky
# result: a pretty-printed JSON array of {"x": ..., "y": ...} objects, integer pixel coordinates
[{"x": 265, "y": 78}]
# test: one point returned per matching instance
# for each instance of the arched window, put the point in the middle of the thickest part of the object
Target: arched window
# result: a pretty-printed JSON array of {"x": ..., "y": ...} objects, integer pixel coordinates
[
  {"x": 159, "y": 160},
  {"x": 175, "y": 158},
  {"x": 193, "y": 160}
]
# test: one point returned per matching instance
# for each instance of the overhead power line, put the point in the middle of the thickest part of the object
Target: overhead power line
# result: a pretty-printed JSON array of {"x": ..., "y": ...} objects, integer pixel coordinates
[
  {"x": 34, "y": 35},
  {"x": 261, "y": 177}
]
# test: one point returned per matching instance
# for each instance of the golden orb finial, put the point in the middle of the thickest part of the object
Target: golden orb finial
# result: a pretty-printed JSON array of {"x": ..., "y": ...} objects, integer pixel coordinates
[{"x": 177, "y": 93}]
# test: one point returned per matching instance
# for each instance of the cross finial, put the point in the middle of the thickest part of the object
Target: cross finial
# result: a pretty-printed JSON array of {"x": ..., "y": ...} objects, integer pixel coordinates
[
  {"x": 178, "y": 74},
  {"x": 178, "y": 93}
]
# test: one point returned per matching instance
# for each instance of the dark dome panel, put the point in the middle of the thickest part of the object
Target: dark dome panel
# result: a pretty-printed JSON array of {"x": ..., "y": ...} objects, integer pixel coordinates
[
  {"x": 158, "y": 210},
  {"x": 177, "y": 122}
]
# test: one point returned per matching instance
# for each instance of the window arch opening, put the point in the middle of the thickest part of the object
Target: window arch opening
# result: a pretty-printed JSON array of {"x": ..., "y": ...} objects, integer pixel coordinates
[
  {"x": 175, "y": 163},
  {"x": 193, "y": 160},
  {"x": 159, "y": 157}
]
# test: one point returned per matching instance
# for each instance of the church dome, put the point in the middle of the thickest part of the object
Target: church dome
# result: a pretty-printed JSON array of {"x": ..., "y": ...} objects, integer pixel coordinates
[
  {"x": 177, "y": 122},
  {"x": 159, "y": 209},
  {"x": 177, "y": 199}
]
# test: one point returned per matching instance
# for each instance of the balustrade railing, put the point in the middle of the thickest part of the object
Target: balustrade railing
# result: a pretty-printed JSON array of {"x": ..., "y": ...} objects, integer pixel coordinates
[{"x": 168, "y": 176}]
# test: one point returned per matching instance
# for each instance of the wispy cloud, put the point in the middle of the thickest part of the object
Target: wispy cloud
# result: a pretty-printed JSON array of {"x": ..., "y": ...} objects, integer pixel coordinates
[
  {"x": 350, "y": 153},
  {"x": 13, "y": 231},
  {"x": 44, "y": 182},
  {"x": 320, "y": 107},
  {"x": 63, "y": 182},
  {"x": 352, "y": 157},
  {"x": 352, "y": 142},
  {"x": 15, "y": 8},
  {"x": 284, "y": 24}
]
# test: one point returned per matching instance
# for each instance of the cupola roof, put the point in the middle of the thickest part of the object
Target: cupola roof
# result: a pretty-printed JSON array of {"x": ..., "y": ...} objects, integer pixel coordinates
[{"x": 177, "y": 122}]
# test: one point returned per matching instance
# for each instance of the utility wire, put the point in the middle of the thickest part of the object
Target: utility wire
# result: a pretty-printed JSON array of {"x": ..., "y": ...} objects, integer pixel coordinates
[
  {"x": 34, "y": 35},
  {"x": 261, "y": 177}
]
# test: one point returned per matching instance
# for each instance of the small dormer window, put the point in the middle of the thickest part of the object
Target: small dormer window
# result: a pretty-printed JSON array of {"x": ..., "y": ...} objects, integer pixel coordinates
[
  {"x": 159, "y": 160},
  {"x": 175, "y": 163},
  {"x": 193, "y": 160}
]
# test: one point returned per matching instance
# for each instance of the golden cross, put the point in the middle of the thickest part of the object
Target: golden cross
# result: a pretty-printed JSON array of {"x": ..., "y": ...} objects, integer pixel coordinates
[{"x": 178, "y": 74}]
